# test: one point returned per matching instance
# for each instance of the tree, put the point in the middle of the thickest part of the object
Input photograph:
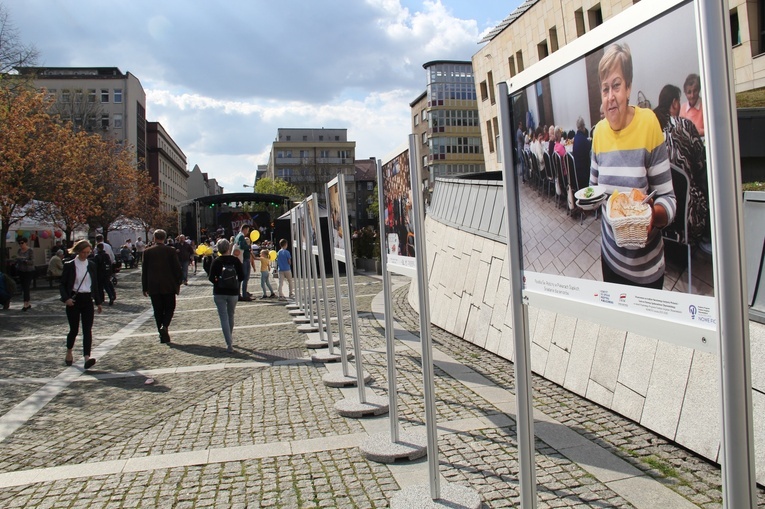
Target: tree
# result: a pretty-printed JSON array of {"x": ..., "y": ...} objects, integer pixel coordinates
[
  {"x": 13, "y": 52},
  {"x": 266, "y": 185},
  {"x": 70, "y": 194},
  {"x": 147, "y": 210},
  {"x": 79, "y": 110},
  {"x": 373, "y": 209},
  {"x": 28, "y": 140},
  {"x": 278, "y": 186},
  {"x": 117, "y": 187}
]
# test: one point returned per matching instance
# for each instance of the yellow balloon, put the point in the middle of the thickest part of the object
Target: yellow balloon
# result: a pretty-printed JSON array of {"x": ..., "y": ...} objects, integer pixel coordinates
[
  {"x": 208, "y": 251},
  {"x": 272, "y": 255},
  {"x": 201, "y": 249},
  {"x": 254, "y": 235}
]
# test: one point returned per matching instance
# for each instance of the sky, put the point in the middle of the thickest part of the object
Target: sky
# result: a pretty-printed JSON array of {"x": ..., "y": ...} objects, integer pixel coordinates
[{"x": 223, "y": 76}]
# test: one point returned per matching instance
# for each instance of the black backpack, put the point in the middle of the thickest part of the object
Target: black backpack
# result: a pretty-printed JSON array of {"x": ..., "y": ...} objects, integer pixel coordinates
[{"x": 228, "y": 278}]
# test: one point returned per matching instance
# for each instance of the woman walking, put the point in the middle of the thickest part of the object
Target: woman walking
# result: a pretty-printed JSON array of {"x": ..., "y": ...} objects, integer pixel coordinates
[
  {"x": 265, "y": 265},
  {"x": 79, "y": 288},
  {"x": 25, "y": 266},
  {"x": 226, "y": 273}
]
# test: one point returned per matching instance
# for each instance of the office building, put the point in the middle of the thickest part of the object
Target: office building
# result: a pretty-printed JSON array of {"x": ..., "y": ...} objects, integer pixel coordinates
[
  {"x": 166, "y": 163},
  {"x": 97, "y": 99},
  {"x": 445, "y": 120},
  {"x": 309, "y": 158}
]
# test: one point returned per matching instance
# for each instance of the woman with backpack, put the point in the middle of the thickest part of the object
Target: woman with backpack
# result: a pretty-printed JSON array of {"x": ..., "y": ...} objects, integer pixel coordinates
[{"x": 226, "y": 273}]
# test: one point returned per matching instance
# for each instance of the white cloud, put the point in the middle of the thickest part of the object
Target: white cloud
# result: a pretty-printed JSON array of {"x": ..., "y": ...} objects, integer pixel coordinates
[{"x": 222, "y": 77}]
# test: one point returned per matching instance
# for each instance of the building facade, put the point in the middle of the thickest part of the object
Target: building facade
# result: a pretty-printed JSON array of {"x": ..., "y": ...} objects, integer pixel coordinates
[
  {"x": 199, "y": 184},
  {"x": 97, "y": 99},
  {"x": 365, "y": 180},
  {"x": 538, "y": 28},
  {"x": 166, "y": 163},
  {"x": 747, "y": 23},
  {"x": 309, "y": 158},
  {"x": 451, "y": 126}
]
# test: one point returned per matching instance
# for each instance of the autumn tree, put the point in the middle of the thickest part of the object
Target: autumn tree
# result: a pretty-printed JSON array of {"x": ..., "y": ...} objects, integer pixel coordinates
[
  {"x": 28, "y": 139},
  {"x": 70, "y": 195},
  {"x": 117, "y": 187},
  {"x": 147, "y": 211}
]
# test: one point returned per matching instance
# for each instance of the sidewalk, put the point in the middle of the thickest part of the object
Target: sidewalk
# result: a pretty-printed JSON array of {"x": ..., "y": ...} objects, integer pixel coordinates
[{"x": 258, "y": 428}]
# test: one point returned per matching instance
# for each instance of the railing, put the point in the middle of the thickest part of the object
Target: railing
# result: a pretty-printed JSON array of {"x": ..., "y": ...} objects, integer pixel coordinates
[{"x": 475, "y": 206}]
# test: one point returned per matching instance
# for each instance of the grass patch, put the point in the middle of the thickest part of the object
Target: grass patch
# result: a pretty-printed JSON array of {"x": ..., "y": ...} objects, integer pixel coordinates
[
  {"x": 751, "y": 98},
  {"x": 657, "y": 464},
  {"x": 754, "y": 186}
]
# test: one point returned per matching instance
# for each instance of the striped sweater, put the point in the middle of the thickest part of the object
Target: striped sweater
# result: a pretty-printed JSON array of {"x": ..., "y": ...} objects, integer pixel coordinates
[{"x": 635, "y": 157}]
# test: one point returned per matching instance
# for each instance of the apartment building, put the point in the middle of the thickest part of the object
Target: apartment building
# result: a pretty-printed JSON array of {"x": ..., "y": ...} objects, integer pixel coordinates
[
  {"x": 309, "y": 158},
  {"x": 166, "y": 163},
  {"x": 445, "y": 120},
  {"x": 97, "y": 99}
]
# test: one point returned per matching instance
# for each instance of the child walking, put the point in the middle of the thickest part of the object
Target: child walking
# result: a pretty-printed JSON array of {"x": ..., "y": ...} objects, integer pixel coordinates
[{"x": 265, "y": 263}]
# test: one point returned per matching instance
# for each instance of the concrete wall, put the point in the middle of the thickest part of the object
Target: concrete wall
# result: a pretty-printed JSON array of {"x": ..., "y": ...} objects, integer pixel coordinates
[{"x": 671, "y": 390}]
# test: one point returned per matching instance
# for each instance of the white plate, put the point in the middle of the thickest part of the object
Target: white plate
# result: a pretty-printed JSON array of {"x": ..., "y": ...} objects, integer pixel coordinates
[
  {"x": 598, "y": 192},
  {"x": 591, "y": 205}
]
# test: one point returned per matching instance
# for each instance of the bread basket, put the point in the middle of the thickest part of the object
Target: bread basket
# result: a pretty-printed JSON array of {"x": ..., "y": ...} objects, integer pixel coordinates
[{"x": 631, "y": 231}]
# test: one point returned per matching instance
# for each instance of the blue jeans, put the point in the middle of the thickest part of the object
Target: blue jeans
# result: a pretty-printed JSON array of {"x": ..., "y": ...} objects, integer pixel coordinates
[
  {"x": 226, "y": 305},
  {"x": 265, "y": 282},
  {"x": 185, "y": 269},
  {"x": 246, "y": 266}
]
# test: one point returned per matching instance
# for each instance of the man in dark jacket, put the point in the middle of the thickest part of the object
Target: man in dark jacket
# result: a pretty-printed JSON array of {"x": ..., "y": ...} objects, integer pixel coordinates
[{"x": 161, "y": 278}]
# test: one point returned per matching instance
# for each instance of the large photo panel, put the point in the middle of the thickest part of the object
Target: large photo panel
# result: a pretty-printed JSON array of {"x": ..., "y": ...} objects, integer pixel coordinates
[
  {"x": 336, "y": 212},
  {"x": 396, "y": 210},
  {"x": 598, "y": 127}
]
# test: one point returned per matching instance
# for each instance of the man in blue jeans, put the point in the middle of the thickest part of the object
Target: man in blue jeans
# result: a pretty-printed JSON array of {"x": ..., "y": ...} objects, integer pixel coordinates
[{"x": 241, "y": 241}]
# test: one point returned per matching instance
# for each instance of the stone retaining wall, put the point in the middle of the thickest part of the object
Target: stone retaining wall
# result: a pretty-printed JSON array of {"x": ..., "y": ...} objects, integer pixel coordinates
[{"x": 671, "y": 390}]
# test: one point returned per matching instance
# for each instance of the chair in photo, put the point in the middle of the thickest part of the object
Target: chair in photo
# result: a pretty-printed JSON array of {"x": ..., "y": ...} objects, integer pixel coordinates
[
  {"x": 560, "y": 182},
  {"x": 572, "y": 186},
  {"x": 549, "y": 178},
  {"x": 536, "y": 174},
  {"x": 677, "y": 231}
]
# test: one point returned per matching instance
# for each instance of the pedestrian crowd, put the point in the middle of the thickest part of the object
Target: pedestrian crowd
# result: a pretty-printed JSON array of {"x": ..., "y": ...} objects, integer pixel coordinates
[{"x": 87, "y": 274}]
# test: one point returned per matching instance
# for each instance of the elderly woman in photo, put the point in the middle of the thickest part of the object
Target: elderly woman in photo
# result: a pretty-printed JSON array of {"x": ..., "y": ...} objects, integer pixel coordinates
[{"x": 628, "y": 152}]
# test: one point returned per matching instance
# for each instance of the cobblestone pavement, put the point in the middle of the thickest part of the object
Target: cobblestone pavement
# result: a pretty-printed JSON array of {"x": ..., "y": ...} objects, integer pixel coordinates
[{"x": 257, "y": 428}]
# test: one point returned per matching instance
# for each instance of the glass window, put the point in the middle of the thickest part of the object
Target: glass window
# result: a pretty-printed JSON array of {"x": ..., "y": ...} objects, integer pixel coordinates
[
  {"x": 579, "y": 20},
  {"x": 105, "y": 121},
  {"x": 303, "y": 153},
  {"x": 324, "y": 153},
  {"x": 104, "y": 95},
  {"x": 66, "y": 95},
  {"x": 118, "y": 121},
  {"x": 416, "y": 119},
  {"x": 595, "y": 16},
  {"x": 91, "y": 95},
  {"x": 735, "y": 30},
  {"x": 78, "y": 95},
  {"x": 424, "y": 138},
  {"x": 117, "y": 95}
]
